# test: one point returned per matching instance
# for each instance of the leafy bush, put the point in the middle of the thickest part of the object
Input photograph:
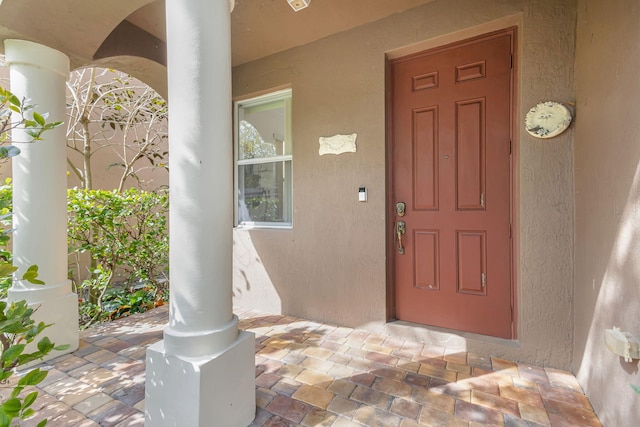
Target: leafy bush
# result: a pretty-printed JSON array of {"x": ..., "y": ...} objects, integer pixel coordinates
[
  {"x": 6, "y": 199},
  {"x": 126, "y": 235},
  {"x": 17, "y": 330},
  {"x": 123, "y": 302}
]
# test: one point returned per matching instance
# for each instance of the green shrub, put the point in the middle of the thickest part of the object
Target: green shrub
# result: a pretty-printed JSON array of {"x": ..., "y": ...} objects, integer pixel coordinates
[
  {"x": 126, "y": 236},
  {"x": 6, "y": 200}
]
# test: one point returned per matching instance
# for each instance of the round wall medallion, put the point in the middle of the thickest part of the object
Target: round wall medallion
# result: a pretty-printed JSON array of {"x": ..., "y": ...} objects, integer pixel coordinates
[{"x": 547, "y": 119}]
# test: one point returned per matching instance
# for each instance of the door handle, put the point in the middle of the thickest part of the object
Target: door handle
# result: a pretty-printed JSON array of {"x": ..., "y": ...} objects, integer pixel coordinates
[{"x": 401, "y": 229}]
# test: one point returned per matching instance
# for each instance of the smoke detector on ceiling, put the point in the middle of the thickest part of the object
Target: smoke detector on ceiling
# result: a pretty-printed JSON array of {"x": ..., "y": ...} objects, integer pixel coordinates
[{"x": 298, "y": 4}]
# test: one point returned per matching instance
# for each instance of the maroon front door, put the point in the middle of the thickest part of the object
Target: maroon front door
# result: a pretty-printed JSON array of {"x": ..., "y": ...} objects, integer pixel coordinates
[{"x": 451, "y": 173}]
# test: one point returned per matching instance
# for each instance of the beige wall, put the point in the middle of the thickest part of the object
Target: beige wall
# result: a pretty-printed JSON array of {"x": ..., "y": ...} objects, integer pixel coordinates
[
  {"x": 332, "y": 265},
  {"x": 607, "y": 179}
]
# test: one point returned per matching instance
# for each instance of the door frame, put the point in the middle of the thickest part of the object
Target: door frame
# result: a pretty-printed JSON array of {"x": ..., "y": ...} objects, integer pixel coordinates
[{"x": 513, "y": 169}]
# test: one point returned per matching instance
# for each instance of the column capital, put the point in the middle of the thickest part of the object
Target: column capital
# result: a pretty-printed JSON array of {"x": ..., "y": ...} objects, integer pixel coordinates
[{"x": 35, "y": 54}]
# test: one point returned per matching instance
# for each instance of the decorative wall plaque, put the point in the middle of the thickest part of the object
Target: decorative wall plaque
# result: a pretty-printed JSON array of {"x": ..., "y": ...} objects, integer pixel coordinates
[
  {"x": 337, "y": 144},
  {"x": 547, "y": 119}
]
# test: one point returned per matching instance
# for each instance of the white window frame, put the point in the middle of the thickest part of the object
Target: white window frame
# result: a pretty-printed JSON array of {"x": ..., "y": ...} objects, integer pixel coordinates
[{"x": 285, "y": 95}]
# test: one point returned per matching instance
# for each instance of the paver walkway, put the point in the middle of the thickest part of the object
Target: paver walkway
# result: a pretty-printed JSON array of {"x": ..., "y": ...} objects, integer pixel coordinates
[{"x": 313, "y": 374}]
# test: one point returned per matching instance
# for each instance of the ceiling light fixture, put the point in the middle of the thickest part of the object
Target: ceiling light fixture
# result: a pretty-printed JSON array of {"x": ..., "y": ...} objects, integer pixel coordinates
[{"x": 298, "y": 4}]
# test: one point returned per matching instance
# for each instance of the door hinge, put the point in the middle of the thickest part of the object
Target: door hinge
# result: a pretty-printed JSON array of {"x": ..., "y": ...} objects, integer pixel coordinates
[
  {"x": 511, "y": 62},
  {"x": 510, "y": 231},
  {"x": 482, "y": 200},
  {"x": 483, "y": 279},
  {"x": 509, "y": 146}
]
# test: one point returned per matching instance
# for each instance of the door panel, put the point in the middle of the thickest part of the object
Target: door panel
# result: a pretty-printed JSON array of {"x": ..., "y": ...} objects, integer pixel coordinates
[
  {"x": 471, "y": 255},
  {"x": 427, "y": 259},
  {"x": 425, "y": 155},
  {"x": 451, "y": 165},
  {"x": 470, "y": 154}
]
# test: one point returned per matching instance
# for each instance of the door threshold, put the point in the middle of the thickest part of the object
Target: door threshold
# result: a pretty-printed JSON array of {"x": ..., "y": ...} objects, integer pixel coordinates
[{"x": 450, "y": 339}]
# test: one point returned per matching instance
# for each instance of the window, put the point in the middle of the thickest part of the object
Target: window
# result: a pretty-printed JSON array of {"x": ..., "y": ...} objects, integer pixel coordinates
[{"x": 263, "y": 160}]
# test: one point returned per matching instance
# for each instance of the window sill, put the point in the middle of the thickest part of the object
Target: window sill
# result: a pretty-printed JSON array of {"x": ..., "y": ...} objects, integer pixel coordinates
[{"x": 262, "y": 226}]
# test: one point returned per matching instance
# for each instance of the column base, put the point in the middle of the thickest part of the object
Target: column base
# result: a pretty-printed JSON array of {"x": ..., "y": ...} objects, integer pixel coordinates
[
  {"x": 201, "y": 391},
  {"x": 55, "y": 309}
]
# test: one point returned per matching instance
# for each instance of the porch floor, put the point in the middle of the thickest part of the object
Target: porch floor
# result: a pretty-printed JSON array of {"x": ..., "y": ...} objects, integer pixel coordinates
[{"x": 314, "y": 374}]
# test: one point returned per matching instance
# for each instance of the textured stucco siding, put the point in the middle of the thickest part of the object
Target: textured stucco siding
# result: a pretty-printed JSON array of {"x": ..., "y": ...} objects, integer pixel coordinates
[{"x": 607, "y": 223}]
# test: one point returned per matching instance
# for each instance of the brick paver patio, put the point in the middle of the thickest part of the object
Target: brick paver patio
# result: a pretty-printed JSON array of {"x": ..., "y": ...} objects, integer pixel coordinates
[{"x": 313, "y": 374}]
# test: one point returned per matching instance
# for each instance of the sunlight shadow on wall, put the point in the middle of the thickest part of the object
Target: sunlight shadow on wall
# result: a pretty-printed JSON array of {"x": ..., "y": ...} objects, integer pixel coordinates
[
  {"x": 248, "y": 268},
  {"x": 617, "y": 305}
]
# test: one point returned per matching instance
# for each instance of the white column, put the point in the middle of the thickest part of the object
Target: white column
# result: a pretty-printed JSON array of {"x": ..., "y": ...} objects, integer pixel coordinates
[
  {"x": 202, "y": 373},
  {"x": 38, "y": 74}
]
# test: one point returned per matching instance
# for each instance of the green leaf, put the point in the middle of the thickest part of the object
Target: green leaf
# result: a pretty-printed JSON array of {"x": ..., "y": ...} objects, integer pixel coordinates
[
  {"x": 38, "y": 118},
  {"x": 12, "y": 352},
  {"x": 12, "y": 407},
  {"x": 5, "y": 420},
  {"x": 34, "y": 377},
  {"x": 52, "y": 125},
  {"x": 29, "y": 399},
  {"x": 7, "y": 269},
  {"x": 27, "y": 413},
  {"x": 16, "y": 391},
  {"x": 8, "y": 151},
  {"x": 33, "y": 133},
  {"x": 635, "y": 388},
  {"x": 45, "y": 345},
  {"x": 14, "y": 100},
  {"x": 31, "y": 275},
  {"x": 42, "y": 423}
]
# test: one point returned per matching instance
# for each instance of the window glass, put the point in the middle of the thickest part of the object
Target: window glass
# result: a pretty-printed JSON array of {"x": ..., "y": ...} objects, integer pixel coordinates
[{"x": 263, "y": 160}]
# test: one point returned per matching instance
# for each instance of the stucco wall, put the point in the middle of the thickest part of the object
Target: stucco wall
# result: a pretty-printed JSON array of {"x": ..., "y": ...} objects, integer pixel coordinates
[
  {"x": 332, "y": 265},
  {"x": 607, "y": 179}
]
